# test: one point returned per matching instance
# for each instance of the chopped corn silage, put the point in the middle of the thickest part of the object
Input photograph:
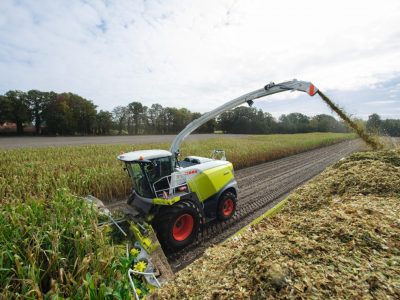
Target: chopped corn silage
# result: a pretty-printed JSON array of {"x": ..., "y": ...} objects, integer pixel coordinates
[
  {"x": 370, "y": 140},
  {"x": 337, "y": 237}
]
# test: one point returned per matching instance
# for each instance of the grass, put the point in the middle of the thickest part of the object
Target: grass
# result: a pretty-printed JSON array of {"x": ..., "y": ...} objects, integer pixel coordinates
[
  {"x": 50, "y": 243},
  {"x": 39, "y": 172},
  {"x": 338, "y": 237}
]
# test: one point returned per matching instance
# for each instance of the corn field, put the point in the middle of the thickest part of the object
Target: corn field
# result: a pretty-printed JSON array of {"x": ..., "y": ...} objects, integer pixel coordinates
[
  {"x": 50, "y": 243},
  {"x": 39, "y": 172}
]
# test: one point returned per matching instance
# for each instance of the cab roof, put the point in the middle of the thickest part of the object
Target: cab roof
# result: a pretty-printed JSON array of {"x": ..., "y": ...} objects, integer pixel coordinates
[{"x": 144, "y": 155}]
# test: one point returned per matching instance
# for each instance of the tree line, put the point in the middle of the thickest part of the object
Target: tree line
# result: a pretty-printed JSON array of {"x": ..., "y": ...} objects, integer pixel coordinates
[
  {"x": 70, "y": 114},
  {"x": 376, "y": 125},
  {"x": 248, "y": 120},
  {"x": 49, "y": 112}
]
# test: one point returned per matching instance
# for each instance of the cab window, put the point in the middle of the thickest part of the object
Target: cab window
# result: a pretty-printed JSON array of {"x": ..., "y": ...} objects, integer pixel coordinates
[
  {"x": 161, "y": 167},
  {"x": 140, "y": 182}
]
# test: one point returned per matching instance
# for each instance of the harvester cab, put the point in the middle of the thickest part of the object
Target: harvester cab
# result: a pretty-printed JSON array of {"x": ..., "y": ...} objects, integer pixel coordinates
[{"x": 146, "y": 168}]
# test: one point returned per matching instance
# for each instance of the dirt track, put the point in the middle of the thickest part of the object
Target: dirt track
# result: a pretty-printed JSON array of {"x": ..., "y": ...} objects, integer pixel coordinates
[
  {"x": 20, "y": 142},
  {"x": 261, "y": 187}
]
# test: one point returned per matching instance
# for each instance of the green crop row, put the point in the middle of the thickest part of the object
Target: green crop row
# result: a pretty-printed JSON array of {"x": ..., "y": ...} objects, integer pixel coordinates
[
  {"x": 38, "y": 172},
  {"x": 54, "y": 247}
]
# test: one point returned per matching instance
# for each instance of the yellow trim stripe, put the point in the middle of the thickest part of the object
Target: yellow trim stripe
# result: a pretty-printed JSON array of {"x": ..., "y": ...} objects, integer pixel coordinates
[
  {"x": 270, "y": 213},
  {"x": 162, "y": 201}
]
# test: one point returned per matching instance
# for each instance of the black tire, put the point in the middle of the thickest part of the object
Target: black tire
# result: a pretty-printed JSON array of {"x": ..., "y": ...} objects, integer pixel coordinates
[
  {"x": 226, "y": 206},
  {"x": 170, "y": 219}
]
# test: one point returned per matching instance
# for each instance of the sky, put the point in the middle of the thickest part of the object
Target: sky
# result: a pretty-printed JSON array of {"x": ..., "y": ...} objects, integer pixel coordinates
[{"x": 201, "y": 54}]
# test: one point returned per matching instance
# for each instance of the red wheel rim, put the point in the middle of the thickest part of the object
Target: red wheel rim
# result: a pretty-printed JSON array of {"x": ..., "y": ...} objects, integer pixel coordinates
[
  {"x": 183, "y": 227},
  {"x": 228, "y": 208}
]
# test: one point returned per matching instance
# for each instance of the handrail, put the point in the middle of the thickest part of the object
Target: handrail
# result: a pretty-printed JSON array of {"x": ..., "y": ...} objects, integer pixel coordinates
[{"x": 171, "y": 187}]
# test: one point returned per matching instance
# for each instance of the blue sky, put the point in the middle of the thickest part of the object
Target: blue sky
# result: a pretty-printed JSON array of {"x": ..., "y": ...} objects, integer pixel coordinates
[{"x": 199, "y": 54}]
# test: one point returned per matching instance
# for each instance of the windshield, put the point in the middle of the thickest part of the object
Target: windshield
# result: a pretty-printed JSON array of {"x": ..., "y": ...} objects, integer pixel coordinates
[
  {"x": 145, "y": 174},
  {"x": 140, "y": 182},
  {"x": 160, "y": 168}
]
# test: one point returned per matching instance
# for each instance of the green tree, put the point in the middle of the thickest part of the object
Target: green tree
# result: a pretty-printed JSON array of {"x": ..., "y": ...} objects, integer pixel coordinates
[
  {"x": 135, "y": 117},
  {"x": 247, "y": 120},
  {"x": 225, "y": 121},
  {"x": 181, "y": 118},
  {"x": 103, "y": 122},
  {"x": 155, "y": 118},
  {"x": 58, "y": 117},
  {"x": 326, "y": 123},
  {"x": 120, "y": 115},
  {"x": 269, "y": 123},
  {"x": 175, "y": 119},
  {"x": 38, "y": 101},
  {"x": 19, "y": 111},
  {"x": 5, "y": 109},
  {"x": 374, "y": 124},
  {"x": 243, "y": 119},
  {"x": 144, "y": 121},
  {"x": 164, "y": 120},
  {"x": 208, "y": 127},
  {"x": 70, "y": 114},
  {"x": 169, "y": 119},
  {"x": 294, "y": 123},
  {"x": 391, "y": 127},
  {"x": 257, "y": 124},
  {"x": 84, "y": 114}
]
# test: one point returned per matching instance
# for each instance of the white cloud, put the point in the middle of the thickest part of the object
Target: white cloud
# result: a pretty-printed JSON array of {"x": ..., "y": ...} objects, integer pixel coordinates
[
  {"x": 195, "y": 54},
  {"x": 382, "y": 102}
]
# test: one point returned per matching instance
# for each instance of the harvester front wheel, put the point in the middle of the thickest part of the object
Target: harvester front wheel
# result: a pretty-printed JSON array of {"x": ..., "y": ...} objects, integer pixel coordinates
[
  {"x": 178, "y": 225},
  {"x": 226, "y": 206}
]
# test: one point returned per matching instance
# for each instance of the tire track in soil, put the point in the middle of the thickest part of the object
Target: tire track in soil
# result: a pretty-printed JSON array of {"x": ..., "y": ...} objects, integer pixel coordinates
[{"x": 260, "y": 188}]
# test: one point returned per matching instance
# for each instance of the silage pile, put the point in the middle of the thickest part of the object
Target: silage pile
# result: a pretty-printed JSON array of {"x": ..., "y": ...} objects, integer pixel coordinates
[{"x": 338, "y": 236}]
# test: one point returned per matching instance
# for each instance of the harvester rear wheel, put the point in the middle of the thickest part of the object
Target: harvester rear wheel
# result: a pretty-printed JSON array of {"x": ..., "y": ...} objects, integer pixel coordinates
[
  {"x": 226, "y": 206},
  {"x": 178, "y": 225}
]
